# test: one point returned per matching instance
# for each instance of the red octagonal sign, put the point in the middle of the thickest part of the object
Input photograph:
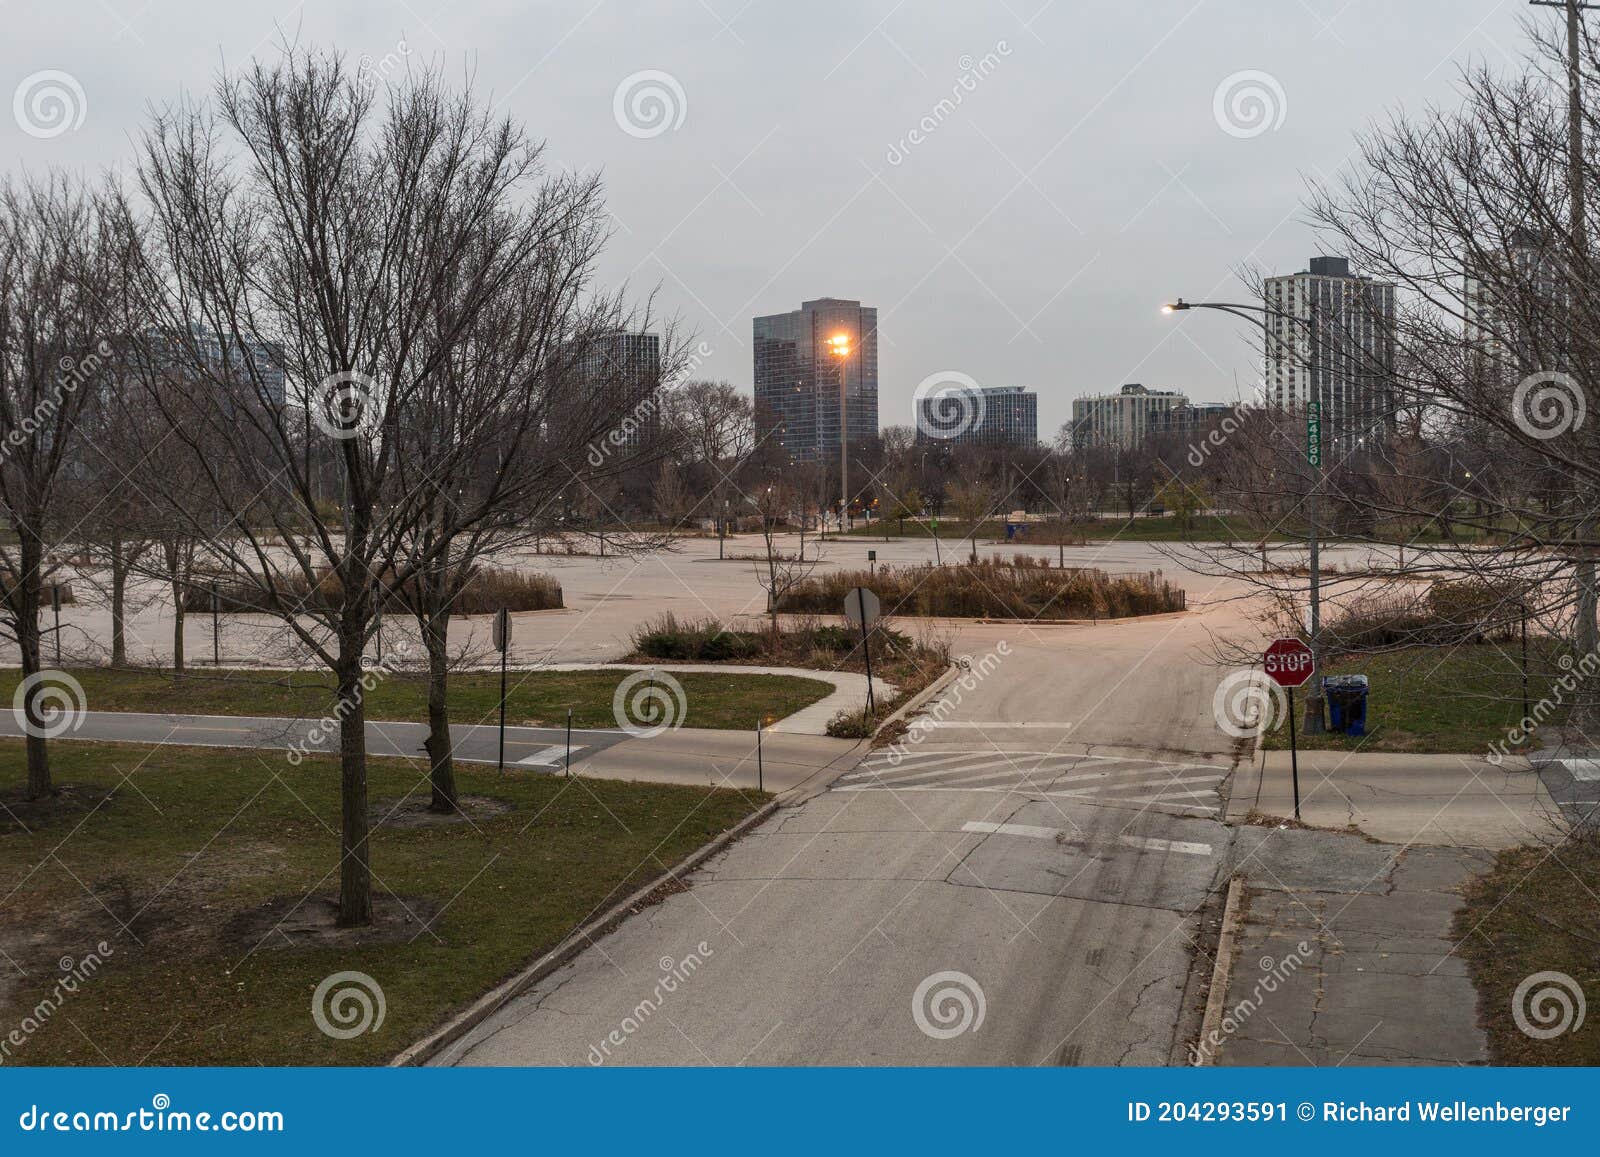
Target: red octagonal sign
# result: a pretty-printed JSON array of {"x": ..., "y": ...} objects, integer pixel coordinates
[{"x": 1288, "y": 662}]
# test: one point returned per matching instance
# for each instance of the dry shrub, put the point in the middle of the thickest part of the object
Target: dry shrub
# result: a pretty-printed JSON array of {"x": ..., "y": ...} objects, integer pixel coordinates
[
  {"x": 1027, "y": 587},
  {"x": 486, "y": 591}
]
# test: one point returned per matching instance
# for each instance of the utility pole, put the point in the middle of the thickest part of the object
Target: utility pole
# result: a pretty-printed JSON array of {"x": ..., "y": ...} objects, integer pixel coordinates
[{"x": 1586, "y": 639}]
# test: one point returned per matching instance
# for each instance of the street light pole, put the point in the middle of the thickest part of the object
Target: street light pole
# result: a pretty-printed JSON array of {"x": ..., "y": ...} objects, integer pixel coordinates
[
  {"x": 1586, "y": 633},
  {"x": 840, "y": 346},
  {"x": 1258, "y": 315}
]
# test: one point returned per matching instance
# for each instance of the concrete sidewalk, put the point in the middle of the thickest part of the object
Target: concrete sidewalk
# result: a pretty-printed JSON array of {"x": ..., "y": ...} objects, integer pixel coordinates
[
  {"x": 1443, "y": 800},
  {"x": 1344, "y": 955}
]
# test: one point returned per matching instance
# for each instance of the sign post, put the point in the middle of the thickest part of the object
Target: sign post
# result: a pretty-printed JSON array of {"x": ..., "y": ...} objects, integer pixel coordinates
[
  {"x": 861, "y": 608},
  {"x": 1289, "y": 663},
  {"x": 216, "y": 626},
  {"x": 502, "y": 643},
  {"x": 55, "y": 605}
]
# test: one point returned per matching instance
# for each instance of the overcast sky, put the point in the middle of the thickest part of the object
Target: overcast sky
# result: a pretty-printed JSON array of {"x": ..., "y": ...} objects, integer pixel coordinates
[{"x": 1082, "y": 172}]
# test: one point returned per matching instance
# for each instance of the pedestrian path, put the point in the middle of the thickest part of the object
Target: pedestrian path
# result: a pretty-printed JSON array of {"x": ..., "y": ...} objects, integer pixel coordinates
[{"x": 1190, "y": 787}]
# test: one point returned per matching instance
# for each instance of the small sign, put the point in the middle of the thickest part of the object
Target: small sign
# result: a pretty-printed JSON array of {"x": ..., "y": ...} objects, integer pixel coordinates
[
  {"x": 872, "y": 556},
  {"x": 861, "y": 607},
  {"x": 1288, "y": 662},
  {"x": 502, "y": 631},
  {"x": 1314, "y": 433}
]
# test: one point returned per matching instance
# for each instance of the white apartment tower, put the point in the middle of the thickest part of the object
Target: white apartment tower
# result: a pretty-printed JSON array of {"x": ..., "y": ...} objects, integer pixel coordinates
[{"x": 1330, "y": 339}]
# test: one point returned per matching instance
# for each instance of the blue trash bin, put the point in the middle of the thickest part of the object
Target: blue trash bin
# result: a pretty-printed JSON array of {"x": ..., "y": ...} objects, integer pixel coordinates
[
  {"x": 1347, "y": 703},
  {"x": 1011, "y": 531}
]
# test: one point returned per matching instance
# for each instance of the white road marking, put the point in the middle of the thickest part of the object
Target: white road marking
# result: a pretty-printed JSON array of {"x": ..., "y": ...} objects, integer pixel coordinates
[
  {"x": 1143, "y": 843},
  {"x": 951, "y": 723},
  {"x": 1584, "y": 769},
  {"x": 552, "y": 756}
]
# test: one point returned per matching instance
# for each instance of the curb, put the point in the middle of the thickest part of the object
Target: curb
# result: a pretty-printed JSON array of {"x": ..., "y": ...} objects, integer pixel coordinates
[
  {"x": 916, "y": 701},
  {"x": 496, "y": 998},
  {"x": 1221, "y": 972}
]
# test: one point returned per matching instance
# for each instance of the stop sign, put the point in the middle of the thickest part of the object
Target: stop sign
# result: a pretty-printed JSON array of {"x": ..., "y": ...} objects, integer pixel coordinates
[{"x": 1288, "y": 662}]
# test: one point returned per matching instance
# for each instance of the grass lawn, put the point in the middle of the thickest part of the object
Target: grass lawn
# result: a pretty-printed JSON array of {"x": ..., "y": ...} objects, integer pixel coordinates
[
  {"x": 533, "y": 698},
  {"x": 1535, "y": 912},
  {"x": 1431, "y": 699},
  {"x": 202, "y": 853}
]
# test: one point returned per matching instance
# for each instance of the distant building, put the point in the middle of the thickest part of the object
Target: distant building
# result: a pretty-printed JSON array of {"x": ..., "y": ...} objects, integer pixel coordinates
[
  {"x": 797, "y": 377},
  {"x": 1330, "y": 339},
  {"x": 1514, "y": 306},
  {"x": 1125, "y": 418},
  {"x": 990, "y": 416},
  {"x": 628, "y": 365}
]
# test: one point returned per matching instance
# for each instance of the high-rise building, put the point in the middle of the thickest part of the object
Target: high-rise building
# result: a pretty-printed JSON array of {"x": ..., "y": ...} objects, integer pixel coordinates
[
  {"x": 628, "y": 365},
  {"x": 1515, "y": 306},
  {"x": 797, "y": 377},
  {"x": 1330, "y": 339},
  {"x": 988, "y": 416},
  {"x": 1125, "y": 418}
]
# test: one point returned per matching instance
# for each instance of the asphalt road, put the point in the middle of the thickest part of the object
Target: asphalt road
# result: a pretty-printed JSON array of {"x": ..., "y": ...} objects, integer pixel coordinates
[{"x": 1038, "y": 856}]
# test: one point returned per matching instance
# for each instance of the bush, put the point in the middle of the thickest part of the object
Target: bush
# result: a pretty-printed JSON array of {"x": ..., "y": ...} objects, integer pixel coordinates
[
  {"x": 1451, "y": 613},
  {"x": 1025, "y": 588},
  {"x": 486, "y": 591},
  {"x": 704, "y": 641}
]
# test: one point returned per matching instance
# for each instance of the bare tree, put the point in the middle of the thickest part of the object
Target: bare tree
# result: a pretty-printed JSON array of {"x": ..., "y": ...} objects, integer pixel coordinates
[
  {"x": 300, "y": 243},
  {"x": 61, "y": 268}
]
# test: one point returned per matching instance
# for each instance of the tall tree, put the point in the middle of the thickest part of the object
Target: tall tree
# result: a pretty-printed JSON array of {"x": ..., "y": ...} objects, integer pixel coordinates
[{"x": 61, "y": 269}]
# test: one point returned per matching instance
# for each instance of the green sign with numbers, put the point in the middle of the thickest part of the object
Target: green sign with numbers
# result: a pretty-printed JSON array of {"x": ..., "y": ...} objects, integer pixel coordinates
[{"x": 1314, "y": 433}]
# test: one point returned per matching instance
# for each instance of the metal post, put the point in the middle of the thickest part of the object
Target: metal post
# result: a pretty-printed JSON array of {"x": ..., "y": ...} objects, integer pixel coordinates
[
  {"x": 377, "y": 614},
  {"x": 844, "y": 447},
  {"x": 761, "y": 784},
  {"x": 569, "y": 741},
  {"x": 1526, "y": 713},
  {"x": 55, "y": 605},
  {"x": 1294, "y": 757},
  {"x": 216, "y": 627},
  {"x": 866, "y": 646},
  {"x": 501, "y": 761}
]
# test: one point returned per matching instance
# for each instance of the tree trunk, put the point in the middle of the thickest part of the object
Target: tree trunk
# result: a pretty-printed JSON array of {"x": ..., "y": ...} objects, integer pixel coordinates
[
  {"x": 119, "y": 602},
  {"x": 30, "y": 557},
  {"x": 441, "y": 765},
  {"x": 355, "y": 872},
  {"x": 177, "y": 627}
]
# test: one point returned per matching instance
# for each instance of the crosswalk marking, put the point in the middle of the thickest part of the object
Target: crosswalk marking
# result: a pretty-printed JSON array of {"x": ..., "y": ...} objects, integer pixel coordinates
[
  {"x": 1186, "y": 786},
  {"x": 553, "y": 756},
  {"x": 1143, "y": 843}
]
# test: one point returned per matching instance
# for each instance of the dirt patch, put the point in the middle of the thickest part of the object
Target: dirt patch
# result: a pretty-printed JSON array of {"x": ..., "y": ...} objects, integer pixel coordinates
[
  {"x": 299, "y": 922},
  {"x": 67, "y": 802},
  {"x": 412, "y": 812}
]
